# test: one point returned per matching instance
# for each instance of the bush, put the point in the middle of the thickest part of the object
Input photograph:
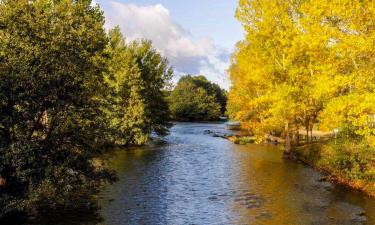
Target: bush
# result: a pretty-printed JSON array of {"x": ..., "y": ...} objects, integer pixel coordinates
[
  {"x": 244, "y": 140},
  {"x": 354, "y": 161},
  {"x": 348, "y": 159}
]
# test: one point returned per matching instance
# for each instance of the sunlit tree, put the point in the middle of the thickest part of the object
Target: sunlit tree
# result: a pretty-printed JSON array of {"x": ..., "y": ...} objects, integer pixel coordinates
[{"x": 299, "y": 60}]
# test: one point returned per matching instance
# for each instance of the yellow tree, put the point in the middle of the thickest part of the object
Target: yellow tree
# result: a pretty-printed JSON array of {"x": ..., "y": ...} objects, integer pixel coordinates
[
  {"x": 271, "y": 67},
  {"x": 353, "y": 56},
  {"x": 299, "y": 61}
]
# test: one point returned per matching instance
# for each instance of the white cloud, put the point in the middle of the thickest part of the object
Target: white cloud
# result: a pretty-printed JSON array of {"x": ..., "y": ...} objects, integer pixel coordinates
[
  {"x": 154, "y": 22},
  {"x": 93, "y": 3}
]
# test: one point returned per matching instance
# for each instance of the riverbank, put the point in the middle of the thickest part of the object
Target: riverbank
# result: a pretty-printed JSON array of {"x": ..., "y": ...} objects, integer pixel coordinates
[
  {"x": 354, "y": 169},
  {"x": 344, "y": 163}
]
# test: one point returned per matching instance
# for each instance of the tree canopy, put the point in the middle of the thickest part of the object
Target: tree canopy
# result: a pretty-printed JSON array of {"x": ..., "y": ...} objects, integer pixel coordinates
[
  {"x": 66, "y": 88},
  {"x": 138, "y": 74},
  {"x": 196, "y": 99},
  {"x": 51, "y": 64},
  {"x": 304, "y": 62}
]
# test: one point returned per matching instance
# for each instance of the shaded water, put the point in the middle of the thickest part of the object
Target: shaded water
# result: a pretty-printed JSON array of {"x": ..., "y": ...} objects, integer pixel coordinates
[{"x": 200, "y": 179}]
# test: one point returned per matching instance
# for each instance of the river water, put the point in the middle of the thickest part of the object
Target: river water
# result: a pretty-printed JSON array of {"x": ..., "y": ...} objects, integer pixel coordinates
[{"x": 199, "y": 179}]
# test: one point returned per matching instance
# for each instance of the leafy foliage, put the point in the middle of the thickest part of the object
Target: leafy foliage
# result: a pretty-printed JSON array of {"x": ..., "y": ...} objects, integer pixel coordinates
[
  {"x": 65, "y": 89},
  {"x": 345, "y": 160},
  {"x": 50, "y": 73},
  {"x": 138, "y": 74},
  {"x": 303, "y": 63},
  {"x": 196, "y": 99}
]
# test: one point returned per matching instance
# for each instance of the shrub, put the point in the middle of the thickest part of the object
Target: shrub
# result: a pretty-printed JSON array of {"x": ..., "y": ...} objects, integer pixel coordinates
[{"x": 353, "y": 160}]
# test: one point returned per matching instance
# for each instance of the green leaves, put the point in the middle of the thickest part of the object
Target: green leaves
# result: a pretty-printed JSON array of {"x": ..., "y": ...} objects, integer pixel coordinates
[
  {"x": 138, "y": 74},
  {"x": 50, "y": 79},
  {"x": 66, "y": 88},
  {"x": 197, "y": 99}
]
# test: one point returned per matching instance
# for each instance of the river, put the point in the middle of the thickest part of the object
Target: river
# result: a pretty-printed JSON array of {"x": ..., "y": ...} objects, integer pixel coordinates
[{"x": 199, "y": 179}]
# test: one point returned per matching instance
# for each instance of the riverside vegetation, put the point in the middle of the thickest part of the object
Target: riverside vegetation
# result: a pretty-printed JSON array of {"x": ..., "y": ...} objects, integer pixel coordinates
[
  {"x": 311, "y": 65},
  {"x": 67, "y": 88},
  {"x": 197, "y": 99}
]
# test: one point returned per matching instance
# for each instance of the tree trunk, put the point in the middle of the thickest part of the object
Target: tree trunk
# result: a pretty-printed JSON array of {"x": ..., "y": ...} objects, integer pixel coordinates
[
  {"x": 2, "y": 182},
  {"x": 297, "y": 140},
  {"x": 309, "y": 134},
  {"x": 288, "y": 146},
  {"x": 307, "y": 125}
]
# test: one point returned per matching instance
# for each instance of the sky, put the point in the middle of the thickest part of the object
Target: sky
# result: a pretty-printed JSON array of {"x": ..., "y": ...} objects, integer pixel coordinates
[{"x": 197, "y": 36}]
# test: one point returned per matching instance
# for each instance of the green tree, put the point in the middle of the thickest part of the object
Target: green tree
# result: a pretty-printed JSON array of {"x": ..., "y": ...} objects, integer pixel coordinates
[
  {"x": 138, "y": 75},
  {"x": 51, "y": 76},
  {"x": 196, "y": 99}
]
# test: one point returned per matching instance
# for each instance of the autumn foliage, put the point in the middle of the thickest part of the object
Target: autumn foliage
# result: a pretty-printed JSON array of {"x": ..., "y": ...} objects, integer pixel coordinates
[{"x": 304, "y": 64}]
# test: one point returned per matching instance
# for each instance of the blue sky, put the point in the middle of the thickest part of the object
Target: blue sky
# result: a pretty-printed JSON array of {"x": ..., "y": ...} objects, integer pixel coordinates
[
  {"x": 204, "y": 18},
  {"x": 197, "y": 36}
]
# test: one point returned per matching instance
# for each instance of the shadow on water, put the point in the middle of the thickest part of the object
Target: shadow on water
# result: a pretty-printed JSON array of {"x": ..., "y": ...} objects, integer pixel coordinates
[
  {"x": 90, "y": 217},
  {"x": 84, "y": 217},
  {"x": 200, "y": 179}
]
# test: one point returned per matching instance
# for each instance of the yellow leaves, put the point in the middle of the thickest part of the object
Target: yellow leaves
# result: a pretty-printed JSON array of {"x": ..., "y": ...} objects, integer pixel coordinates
[
  {"x": 371, "y": 141},
  {"x": 358, "y": 110},
  {"x": 305, "y": 60}
]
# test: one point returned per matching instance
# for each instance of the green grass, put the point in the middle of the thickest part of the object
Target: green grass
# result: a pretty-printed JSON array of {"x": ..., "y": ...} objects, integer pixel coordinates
[{"x": 244, "y": 140}]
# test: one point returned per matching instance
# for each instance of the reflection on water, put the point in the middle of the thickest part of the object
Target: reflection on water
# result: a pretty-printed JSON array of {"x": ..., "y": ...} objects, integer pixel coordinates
[{"x": 199, "y": 179}]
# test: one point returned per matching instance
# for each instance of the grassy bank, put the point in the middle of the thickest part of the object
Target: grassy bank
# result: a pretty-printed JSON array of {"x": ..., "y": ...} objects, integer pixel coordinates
[
  {"x": 242, "y": 140},
  {"x": 346, "y": 163}
]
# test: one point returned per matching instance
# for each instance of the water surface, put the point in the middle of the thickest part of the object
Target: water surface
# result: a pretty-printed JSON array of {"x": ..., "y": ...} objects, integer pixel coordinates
[{"x": 200, "y": 179}]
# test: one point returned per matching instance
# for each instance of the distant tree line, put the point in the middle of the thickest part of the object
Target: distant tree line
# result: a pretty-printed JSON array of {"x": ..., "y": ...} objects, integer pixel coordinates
[
  {"x": 67, "y": 88},
  {"x": 196, "y": 99}
]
